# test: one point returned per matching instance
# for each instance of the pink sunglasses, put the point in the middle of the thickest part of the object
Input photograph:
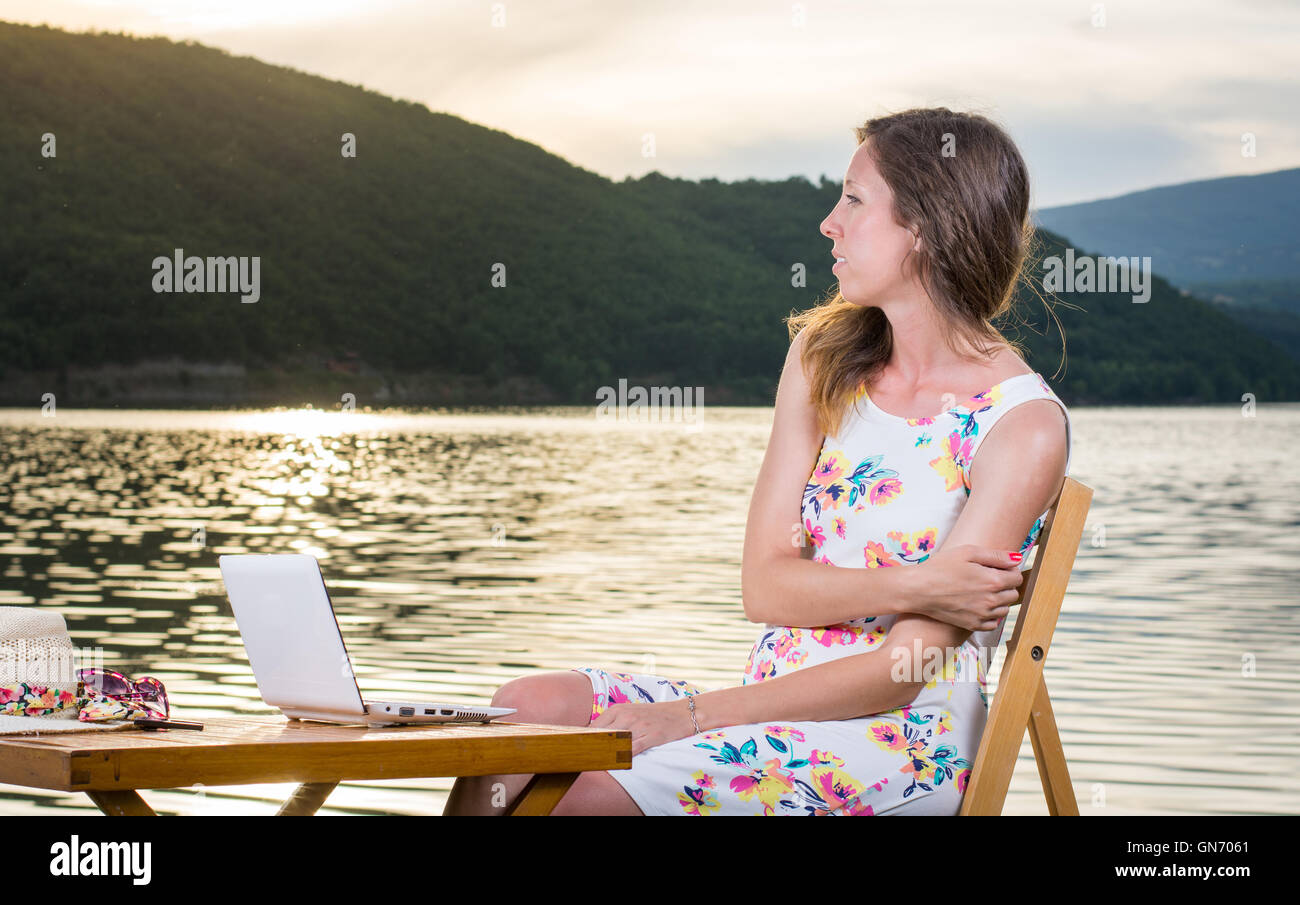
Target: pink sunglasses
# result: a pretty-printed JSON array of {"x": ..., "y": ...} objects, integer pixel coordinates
[{"x": 112, "y": 684}]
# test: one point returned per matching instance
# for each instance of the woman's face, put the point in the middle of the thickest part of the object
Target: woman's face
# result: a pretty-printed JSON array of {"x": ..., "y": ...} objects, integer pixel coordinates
[{"x": 864, "y": 233}]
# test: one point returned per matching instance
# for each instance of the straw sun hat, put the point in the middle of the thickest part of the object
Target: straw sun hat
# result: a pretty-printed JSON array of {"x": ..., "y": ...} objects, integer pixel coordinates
[{"x": 36, "y": 650}]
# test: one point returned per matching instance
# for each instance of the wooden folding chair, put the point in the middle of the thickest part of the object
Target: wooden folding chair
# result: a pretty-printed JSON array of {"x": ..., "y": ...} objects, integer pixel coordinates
[{"x": 1021, "y": 701}]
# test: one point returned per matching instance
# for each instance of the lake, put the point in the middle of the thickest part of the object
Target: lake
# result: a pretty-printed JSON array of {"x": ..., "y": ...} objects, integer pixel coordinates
[{"x": 464, "y": 549}]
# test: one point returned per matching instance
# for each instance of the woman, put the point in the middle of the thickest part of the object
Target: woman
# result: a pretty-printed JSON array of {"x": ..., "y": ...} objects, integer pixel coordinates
[{"x": 865, "y": 692}]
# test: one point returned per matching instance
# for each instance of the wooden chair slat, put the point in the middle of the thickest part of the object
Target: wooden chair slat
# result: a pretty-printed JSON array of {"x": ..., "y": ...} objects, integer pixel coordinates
[
  {"x": 1055, "y": 773},
  {"x": 541, "y": 795},
  {"x": 306, "y": 799}
]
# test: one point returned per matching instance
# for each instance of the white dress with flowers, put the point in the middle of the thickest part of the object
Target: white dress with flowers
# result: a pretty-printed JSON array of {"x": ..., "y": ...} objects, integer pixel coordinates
[{"x": 883, "y": 494}]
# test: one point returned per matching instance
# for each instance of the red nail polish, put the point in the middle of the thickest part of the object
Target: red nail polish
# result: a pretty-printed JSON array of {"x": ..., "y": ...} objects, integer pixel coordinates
[{"x": 1017, "y": 556}]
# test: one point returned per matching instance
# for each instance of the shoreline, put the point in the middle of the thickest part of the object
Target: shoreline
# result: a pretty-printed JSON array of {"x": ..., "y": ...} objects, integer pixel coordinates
[
  {"x": 350, "y": 385},
  {"x": 325, "y": 385}
]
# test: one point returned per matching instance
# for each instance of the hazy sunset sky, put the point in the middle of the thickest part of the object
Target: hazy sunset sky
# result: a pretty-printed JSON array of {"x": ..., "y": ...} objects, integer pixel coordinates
[{"x": 1103, "y": 98}]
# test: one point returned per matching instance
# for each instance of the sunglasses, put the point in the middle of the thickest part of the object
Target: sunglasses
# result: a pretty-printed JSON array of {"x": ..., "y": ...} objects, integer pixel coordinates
[{"x": 147, "y": 690}]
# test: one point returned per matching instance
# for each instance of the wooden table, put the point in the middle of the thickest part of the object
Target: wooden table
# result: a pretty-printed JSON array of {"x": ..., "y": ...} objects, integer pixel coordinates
[{"x": 111, "y": 766}]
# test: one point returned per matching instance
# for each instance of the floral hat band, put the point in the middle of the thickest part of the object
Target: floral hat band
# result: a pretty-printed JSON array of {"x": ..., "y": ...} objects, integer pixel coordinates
[{"x": 32, "y": 699}]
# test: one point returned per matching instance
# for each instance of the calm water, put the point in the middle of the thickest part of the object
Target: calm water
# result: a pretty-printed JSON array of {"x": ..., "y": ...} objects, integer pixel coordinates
[{"x": 465, "y": 550}]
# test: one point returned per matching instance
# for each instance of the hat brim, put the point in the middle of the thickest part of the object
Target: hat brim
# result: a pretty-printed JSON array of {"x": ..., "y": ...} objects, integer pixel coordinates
[{"x": 35, "y": 725}]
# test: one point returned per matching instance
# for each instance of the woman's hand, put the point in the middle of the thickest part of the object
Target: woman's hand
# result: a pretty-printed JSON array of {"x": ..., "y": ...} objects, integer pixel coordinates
[
  {"x": 651, "y": 724},
  {"x": 968, "y": 586}
]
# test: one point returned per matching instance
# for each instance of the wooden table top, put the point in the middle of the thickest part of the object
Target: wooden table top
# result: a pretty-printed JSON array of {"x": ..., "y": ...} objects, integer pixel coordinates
[{"x": 258, "y": 749}]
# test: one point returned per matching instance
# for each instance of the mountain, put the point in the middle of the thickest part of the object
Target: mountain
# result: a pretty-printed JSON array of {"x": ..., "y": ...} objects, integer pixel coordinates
[
  {"x": 444, "y": 262},
  {"x": 1238, "y": 227},
  {"x": 1230, "y": 240}
]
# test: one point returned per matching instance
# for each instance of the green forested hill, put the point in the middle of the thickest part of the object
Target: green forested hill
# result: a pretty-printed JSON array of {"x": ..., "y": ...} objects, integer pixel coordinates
[{"x": 389, "y": 256}]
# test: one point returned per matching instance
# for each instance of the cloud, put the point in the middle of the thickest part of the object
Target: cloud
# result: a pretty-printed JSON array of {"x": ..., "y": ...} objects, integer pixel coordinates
[{"x": 737, "y": 90}]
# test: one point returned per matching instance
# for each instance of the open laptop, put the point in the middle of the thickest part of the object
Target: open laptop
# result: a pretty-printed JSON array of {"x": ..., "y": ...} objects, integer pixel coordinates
[{"x": 296, "y": 649}]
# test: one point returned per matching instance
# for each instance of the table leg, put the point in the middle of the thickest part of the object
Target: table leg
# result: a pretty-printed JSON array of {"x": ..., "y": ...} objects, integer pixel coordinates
[
  {"x": 121, "y": 803},
  {"x": 537, "y": 799},
  {"x": 542, "y": 794},
  {"x": 306, "y": 799}
]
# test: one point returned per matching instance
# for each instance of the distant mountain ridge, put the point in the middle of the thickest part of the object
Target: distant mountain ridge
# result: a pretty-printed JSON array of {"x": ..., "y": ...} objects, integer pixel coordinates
[
  {"x": 1231, "y": 241},
  {"x": 1235, "y": 227},
  {"x": 445, "y": 261}
]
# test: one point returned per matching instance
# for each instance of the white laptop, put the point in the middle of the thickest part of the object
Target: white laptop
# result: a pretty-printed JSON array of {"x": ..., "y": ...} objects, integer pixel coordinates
[{"x": 296, "y": 649}]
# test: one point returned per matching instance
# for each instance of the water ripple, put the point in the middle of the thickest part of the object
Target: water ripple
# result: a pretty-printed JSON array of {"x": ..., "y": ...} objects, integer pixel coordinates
[{"x": 463, "y": 550}]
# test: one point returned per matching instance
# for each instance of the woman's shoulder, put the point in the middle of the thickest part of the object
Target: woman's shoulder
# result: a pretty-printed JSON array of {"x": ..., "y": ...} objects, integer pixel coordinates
[
  {"x": 1019, "y": 392},
  {"x": 1029, "y": 414}
]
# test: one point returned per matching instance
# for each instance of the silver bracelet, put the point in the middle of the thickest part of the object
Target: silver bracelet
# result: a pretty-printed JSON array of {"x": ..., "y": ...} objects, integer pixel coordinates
[{"x": 690, "y": 700}]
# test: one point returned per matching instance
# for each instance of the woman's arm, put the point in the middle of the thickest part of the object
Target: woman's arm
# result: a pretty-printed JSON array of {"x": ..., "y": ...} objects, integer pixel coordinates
[
  {"x": 814, "y": 594},
  {"x": 875, "y": 681},
  {"x": 776, "y": 583},
  {"x": 1022, "y": 468}
]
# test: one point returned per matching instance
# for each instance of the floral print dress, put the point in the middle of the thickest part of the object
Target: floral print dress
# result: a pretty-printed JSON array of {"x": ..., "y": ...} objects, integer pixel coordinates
[{"x": 883, "y": 494}]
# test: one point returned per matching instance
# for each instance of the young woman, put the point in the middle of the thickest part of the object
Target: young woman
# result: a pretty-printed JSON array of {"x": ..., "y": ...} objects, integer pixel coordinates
[{"x": 888, "y": 524}]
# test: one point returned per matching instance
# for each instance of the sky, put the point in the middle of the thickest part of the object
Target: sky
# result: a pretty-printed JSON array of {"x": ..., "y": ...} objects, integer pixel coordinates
[{"x": 1101, "y": 98}]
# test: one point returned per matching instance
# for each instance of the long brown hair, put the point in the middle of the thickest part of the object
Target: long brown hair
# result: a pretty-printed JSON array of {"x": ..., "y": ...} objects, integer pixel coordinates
[{"x": 971, "y": 208}]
